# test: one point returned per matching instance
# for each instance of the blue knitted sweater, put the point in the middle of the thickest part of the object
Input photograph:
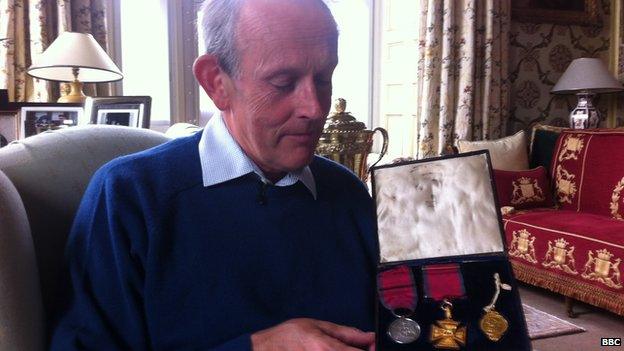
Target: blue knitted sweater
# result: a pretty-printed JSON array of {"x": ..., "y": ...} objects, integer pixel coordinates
[{"x": 158, "y": 261}]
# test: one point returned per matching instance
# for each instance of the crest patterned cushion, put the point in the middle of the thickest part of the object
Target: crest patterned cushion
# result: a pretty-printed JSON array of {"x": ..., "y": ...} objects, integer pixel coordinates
[
  {"x": 523, "y": 189},
  {"x": 587, "y": 172}
]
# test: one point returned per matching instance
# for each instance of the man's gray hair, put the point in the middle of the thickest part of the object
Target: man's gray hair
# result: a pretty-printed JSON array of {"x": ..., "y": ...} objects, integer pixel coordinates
[
  {"x": 218, "y": 26},
  {"x": 218, "y": 31}
]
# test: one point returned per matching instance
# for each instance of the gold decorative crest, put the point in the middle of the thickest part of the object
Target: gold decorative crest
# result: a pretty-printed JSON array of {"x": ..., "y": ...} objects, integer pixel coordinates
[
  {"x": 566, "y": 187},
  {"x": 600, "y": 268},
  {"x": 614, "y": 206},
  {"x": 572, "y": 146},
  {"x": 526, "y": 190},
  {"x": 522, "y": 246},
  {"x": 560, "y": 257}
]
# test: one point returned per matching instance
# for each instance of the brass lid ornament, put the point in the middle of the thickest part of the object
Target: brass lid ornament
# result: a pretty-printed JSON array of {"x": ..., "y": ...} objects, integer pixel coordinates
[
  {"x": 342, "y": 121},
  {"x": 348, "y": 142}
]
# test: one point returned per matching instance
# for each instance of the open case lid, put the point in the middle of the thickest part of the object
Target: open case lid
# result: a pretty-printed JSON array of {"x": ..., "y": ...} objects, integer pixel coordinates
[{"x": 437, "y": 207}]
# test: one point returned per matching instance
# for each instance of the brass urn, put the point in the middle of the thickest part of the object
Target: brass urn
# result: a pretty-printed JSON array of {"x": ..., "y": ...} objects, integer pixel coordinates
[{"x": 348, "y": 142}]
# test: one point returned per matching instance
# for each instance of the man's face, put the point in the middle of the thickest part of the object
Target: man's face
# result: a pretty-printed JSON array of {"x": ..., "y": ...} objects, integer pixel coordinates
[{"x": 281, "y": 97}]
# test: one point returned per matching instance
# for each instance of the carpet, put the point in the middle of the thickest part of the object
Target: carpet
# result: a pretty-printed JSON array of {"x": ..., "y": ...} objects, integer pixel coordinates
[{"x": 543, "y": 325}]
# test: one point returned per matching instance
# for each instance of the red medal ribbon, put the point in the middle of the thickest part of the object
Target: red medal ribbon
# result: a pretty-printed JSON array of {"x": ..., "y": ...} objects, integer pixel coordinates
[
  {"x": 397, "y": 289},
  {"x": 443, "y": 281}
]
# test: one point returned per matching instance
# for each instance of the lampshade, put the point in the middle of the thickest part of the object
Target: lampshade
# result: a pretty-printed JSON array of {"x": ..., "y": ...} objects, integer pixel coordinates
[
  {"x": 75, "y": 50},
  {"x": 587, "y": 75}
]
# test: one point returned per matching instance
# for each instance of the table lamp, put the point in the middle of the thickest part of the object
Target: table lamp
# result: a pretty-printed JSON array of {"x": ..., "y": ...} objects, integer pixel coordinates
[
  {"x": 76, "y": 58},
  {"x": 586, "y": 77}
]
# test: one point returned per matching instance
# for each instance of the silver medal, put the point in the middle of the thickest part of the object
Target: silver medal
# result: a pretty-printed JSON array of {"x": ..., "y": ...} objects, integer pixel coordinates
[{"x": 403, "y": 330}]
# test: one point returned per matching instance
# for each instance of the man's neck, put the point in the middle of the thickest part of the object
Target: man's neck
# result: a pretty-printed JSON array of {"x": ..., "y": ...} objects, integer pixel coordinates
[{"x": 273, "y": 177}]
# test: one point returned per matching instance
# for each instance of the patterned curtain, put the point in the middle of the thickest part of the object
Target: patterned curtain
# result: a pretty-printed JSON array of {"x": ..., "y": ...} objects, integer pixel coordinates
[
  {"x": 463, "y": 87},
  {"x": 31, "y": 26}
]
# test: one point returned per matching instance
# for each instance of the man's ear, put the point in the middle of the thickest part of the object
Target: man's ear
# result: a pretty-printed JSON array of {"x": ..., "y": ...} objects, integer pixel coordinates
[{"x": 213, "y": 79}]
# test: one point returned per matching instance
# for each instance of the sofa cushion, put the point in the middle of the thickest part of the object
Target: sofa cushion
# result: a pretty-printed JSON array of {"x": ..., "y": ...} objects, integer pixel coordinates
[
  {"x": 523, "y": 189},
  {"x": 575, "y": 254},
  {"x": 588, "y": 172},
  {"x": 509, "y": 153},
  {"x": 542, "y": 144}
]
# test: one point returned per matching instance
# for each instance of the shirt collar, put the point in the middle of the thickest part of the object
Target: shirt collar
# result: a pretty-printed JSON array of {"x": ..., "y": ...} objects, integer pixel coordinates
[{"x": 222, "y": 159}]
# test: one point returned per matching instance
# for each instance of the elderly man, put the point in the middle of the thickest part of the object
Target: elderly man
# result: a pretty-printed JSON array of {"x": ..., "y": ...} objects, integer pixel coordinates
[{"x": 236, "y": 238}]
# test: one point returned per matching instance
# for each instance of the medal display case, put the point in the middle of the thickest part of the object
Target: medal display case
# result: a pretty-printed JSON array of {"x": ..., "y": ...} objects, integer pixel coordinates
[{"x": 444, "y": 279}]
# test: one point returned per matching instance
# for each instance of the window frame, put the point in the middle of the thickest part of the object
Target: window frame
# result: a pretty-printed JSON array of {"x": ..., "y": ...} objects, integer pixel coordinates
[
  {"x": 183, "y": 39},
  {"x": 183, "y": 88}
]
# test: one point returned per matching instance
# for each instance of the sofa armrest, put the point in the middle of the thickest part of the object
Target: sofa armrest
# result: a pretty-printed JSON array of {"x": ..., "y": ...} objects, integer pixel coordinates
[
  {"x": 50, "y": 171},
  {"x": 21, "y": 309}
]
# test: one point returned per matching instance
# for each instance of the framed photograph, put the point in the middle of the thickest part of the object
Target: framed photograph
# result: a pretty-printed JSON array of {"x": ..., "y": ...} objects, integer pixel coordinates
[
  {"x": 9, "y": 127},
  {"x": 4, "y": 98},
  {"x": 131, "y": 111},
  {"x": 37, "y": 119},
  {"x": 580, "y": 12}
]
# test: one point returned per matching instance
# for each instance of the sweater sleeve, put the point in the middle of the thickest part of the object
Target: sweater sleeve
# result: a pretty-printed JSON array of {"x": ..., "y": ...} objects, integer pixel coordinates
[
  {"x": 106, "y": 257},
  {"x": 104, "y": 253}
]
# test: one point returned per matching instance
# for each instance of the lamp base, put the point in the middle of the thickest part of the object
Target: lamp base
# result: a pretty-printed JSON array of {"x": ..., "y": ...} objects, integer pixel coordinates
[
  {"x": 584, "y": 115},
  {"x": 75, "y": 95}
]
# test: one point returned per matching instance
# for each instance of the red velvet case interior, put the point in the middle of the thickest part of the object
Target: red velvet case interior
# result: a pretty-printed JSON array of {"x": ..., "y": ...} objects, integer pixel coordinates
[{"x": 477, "y": 273}]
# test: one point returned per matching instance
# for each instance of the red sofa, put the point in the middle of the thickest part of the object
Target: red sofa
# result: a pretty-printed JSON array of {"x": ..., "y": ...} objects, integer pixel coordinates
[{"x": 576, "y": 248}]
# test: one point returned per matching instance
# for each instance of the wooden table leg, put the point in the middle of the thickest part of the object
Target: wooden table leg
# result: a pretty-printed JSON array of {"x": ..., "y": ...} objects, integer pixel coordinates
[{"x": 569, "y": 303}]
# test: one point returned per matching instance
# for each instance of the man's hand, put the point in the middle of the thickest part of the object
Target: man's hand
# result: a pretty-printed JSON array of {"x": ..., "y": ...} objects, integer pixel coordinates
[{"x": 312, "y": 335}]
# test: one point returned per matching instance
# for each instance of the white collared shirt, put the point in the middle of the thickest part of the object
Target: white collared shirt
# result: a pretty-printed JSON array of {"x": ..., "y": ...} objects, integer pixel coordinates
[{"x": 222, "y": 159}]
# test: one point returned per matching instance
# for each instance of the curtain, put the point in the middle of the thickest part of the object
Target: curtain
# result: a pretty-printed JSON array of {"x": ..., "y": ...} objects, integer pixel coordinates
[
  {"x": 30, "y": 26},
  {"x": 462, "y": 87}
]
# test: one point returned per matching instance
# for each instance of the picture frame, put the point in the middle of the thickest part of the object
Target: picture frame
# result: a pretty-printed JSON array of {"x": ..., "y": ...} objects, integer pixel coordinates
[
  {"x": 35, "y": 119},
  {"x": 131, "y": 111},
  {"x": 579, "y": 12},
  {"x": 4, "y": 98}
]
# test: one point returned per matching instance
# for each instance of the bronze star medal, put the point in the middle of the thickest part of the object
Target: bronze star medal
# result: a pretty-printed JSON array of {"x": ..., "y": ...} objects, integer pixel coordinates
[{"x": 446, "y": 333}]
